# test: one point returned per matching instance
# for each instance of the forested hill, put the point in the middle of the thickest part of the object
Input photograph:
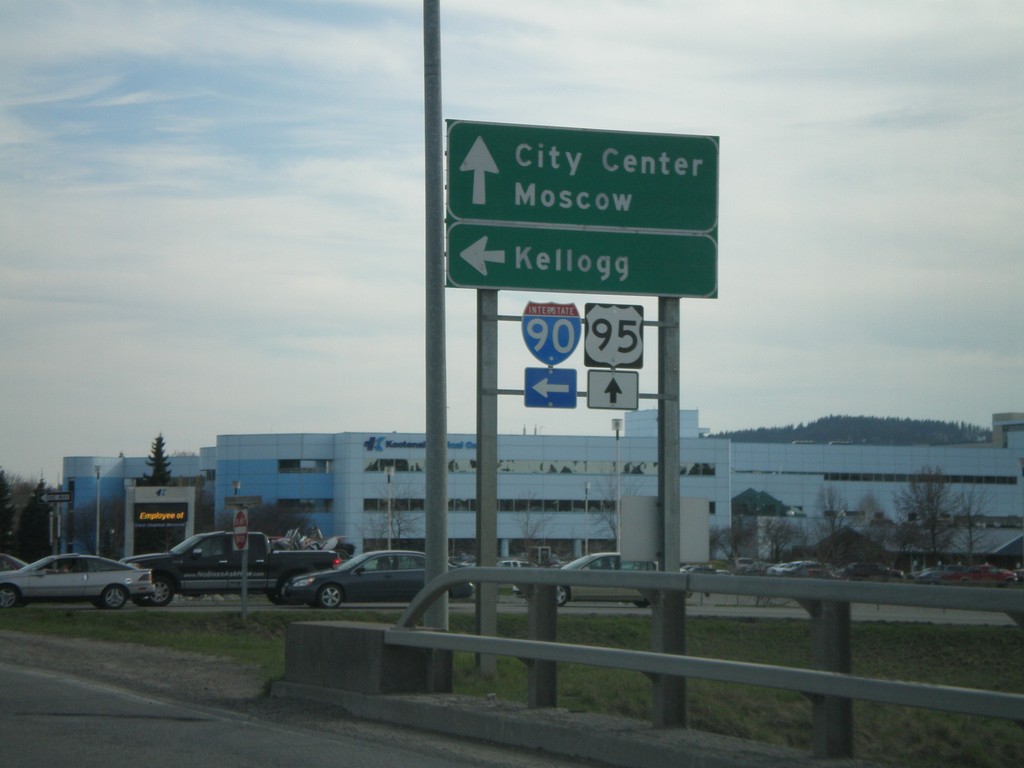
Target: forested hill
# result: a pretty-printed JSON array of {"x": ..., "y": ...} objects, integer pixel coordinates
[{"x": 866, "y": 430}]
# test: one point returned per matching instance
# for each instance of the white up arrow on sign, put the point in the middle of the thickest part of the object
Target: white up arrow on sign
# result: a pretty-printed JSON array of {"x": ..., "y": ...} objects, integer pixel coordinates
[{"x": 619, "y": 390}]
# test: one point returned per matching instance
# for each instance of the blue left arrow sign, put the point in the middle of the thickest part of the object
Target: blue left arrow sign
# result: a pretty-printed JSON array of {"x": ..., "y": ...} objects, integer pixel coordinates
[{"x": 550, "y": 388}]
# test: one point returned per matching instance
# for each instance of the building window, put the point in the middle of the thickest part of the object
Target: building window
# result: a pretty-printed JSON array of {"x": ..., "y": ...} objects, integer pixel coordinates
[{"x": 304, "y": 466}]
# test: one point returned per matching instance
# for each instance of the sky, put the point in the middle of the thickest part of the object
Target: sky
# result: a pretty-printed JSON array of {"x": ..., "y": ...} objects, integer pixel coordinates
[{"x": 212, "y": 213}]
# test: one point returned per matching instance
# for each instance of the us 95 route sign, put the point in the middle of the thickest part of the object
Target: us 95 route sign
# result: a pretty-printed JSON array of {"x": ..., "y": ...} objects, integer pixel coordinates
[{"x": 615, "y": 336}]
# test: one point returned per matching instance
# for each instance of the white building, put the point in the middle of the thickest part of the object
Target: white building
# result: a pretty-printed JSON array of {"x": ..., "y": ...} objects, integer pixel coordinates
[{"x": 560, "y": 489}]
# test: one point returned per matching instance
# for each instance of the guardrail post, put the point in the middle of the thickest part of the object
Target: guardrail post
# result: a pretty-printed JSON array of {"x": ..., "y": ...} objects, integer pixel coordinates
[
  {"x": 830, "y": 650},
  {"x": 668, "y": 635},
  {"x": 542, "y": 624}
]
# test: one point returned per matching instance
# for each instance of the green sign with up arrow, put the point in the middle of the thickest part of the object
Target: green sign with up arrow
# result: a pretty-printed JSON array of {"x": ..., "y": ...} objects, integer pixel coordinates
[{"x": 560, "y": 209}]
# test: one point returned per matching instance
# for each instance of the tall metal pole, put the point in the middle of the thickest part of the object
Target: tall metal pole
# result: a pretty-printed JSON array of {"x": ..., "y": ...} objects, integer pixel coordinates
[
  {"x": 390, "y": 472},
  {"x": 97, "y": 468},
  {"x": 436, "y": 362},
  {"x": 487, "y": 468},
  {"x": 617, "y": 426},
  {"x": 586, "y": 518}
]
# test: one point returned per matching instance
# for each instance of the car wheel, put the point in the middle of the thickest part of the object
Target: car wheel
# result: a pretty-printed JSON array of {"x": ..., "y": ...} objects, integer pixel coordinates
[
  {"x": 163, "y": 591},
  {"x": 561, "y": 596},
  {"x": 113, "y": 597},
  {"x": 10, "y": 597},
  {"x": 330, "y": 596}
]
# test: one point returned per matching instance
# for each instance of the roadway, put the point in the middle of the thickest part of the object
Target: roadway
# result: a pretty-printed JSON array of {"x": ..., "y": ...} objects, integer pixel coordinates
[{"x": 51, "y": 718}]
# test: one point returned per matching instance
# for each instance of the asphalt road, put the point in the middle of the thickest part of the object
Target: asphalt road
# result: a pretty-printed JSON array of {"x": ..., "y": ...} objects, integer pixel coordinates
[{"x": 50, "y": 719}]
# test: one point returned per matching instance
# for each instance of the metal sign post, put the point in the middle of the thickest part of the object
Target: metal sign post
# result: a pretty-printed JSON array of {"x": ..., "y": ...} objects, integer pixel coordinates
[{"x": 241, "y": 542}]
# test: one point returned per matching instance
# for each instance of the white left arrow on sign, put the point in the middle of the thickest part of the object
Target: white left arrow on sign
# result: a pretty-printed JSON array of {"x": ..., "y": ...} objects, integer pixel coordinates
[
  {"x": 480, "y": 162},
  {"x": 477, "y": 256},
  {"x": 544, "y": 388}
]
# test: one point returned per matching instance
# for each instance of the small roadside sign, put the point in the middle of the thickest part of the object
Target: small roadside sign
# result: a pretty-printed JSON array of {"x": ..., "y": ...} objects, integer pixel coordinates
[
  {"x": 550, "y": 388},
  {"x": 619, "y": 390},
  {"x": 241, "y": 530},
  {"x": 551, "y": 331},
  {"x": 55, "y": 497},
  {"x": 615, "y": 336}
]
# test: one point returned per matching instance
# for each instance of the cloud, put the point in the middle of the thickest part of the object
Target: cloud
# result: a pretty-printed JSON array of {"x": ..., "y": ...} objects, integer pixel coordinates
[{"x": 212, "y": 215}]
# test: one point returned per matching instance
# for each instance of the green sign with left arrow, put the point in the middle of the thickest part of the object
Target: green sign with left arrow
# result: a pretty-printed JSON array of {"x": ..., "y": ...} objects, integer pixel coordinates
[{"x": 561, "y": 209}]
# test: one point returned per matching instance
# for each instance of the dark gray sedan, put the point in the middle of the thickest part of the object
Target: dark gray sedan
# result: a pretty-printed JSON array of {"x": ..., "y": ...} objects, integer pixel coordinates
[{"x": 387, "y": 576}]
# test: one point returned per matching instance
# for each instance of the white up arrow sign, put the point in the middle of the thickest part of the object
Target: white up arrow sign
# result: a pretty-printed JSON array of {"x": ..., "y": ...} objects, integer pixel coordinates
[{"x": 480, "y": 162}]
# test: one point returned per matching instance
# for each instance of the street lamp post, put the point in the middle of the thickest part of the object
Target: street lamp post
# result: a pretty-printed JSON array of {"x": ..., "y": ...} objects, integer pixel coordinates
[
  {"x": 617, "y": 426},
  {"x": 390, "y": 472},
  {"x": 97, "y": 468},
  {"x": 586, "y": 518}
]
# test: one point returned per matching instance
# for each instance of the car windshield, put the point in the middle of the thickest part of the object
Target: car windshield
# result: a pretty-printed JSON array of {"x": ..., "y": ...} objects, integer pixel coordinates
[
  {"x": 582, "y": 562},
  {"x": 40, "y": 564},
  {"x": 356, "y": 561}
]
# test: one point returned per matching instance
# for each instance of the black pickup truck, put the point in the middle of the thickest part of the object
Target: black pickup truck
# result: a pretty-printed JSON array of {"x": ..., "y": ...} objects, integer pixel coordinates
[{"x": 208, "y": 563}]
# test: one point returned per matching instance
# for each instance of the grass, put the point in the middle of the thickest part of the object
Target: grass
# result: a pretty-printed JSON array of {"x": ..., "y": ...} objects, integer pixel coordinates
[{"x": 971, "y": 656}]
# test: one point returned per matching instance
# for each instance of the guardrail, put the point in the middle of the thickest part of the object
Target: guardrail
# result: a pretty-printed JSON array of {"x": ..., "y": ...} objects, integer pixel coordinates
[{"x": 830, "y": 686}]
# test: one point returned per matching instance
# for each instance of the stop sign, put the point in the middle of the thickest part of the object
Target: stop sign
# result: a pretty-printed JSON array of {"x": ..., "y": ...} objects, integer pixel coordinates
[{"x": 241, "y": 534}]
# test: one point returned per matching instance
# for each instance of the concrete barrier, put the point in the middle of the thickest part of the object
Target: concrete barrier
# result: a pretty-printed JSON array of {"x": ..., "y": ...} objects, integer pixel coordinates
[{"x": 353, "y": 656}]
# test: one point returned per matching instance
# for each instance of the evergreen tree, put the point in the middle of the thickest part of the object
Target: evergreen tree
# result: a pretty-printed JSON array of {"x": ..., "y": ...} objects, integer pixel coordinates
[
  {"x": 158, "y": 463},
  {"x": 7, "y": 513},
  {"x": 34, "y": 527}
]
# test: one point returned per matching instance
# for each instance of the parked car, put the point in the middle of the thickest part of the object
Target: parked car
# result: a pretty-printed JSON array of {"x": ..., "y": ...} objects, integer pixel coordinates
[
  {"x": 514, "y": 563},
  {"x": 209, "y": 564},
  {"x": 63, "y": 578},
  {"x": 805, "y": 568},
  {"x": 937, "y": 573},
  {"x": 701, "y": 568},
  {"x": 980, "y": 574},
  {"x": 749, "y": 567},
  {"x": 605, "y": 561},
  {"x": 10, "y": 562},
  {"x": 386, "y": 576},
  {"x": 870, "y": 572}
]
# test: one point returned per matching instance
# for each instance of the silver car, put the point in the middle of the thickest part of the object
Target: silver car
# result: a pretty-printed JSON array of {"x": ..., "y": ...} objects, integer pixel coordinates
[
  {"x": 66, "y": 578},
  {"x": 605, "y": 561}
]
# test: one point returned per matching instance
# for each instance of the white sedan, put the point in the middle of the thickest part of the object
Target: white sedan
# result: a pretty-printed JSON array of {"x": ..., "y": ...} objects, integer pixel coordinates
[{"x": 63, "y": 578}]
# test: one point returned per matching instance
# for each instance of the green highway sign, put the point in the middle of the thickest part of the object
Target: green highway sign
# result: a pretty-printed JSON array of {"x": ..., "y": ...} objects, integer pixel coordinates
[
  {"x": 643, "y": 201},
  {"x": 516, "y": 173},
  {"x": 535, "y": 258}
]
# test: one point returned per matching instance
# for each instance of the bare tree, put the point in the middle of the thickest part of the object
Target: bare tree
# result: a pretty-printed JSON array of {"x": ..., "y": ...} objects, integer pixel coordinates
[
  {"x": 833, "y": 517},
  {"x": 926, "y": 505},
  {"x": 603, "y": 508},
  {"x": 534, "y": 523},
  {"x": 740, "y": 538},
  {"x": 397, "y": 516},
  {"x": 971, "y": 507},
  {"x": 780, "y": 536}
]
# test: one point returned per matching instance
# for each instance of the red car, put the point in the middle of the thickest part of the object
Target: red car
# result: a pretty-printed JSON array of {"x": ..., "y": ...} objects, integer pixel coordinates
[{"x": 980, "y": 573}]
